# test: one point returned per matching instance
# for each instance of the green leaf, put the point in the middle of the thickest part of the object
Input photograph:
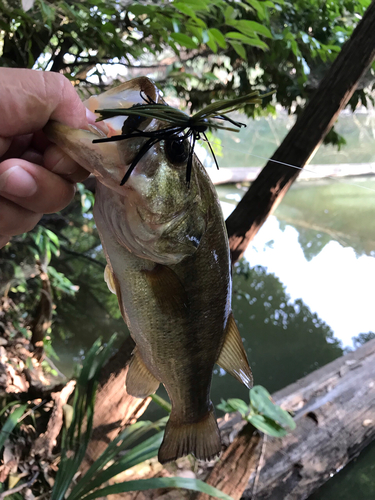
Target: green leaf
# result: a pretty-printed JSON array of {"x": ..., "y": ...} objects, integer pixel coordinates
[
  {"x": 261, "y": 402},
  {"x": 159, "y": 482},
  {"x": 75, "y": 440},
  {"x": 239, "y": 48},
  {"x": 251, "y": 27},
  {"x": 53, "y": 237},
  {"x": 267, "y": 426},
  {"x": 237, "y": 36},
  {"x": 197, "y": 32},
  {"x": 184, "y": 40},
  {"x": 239, "y": 405},
  {"x": 9, "y": 405},
  {"x": 138, "y": 10},
  {"x": 10, "y": 424},
  {"x": 196, "y": 4},
  {"x": 258, "y": 7},
  {"x": 210, "y": 76},
  {"x": 211, "y": 42},
  {"x": 124, "y": 440},
  {"x": 185, "y": 9},
  {"x": 144, "y": 451},
  {"x": 255, "y": 42},
  {"x": 229, "y": 13},
  {"x": 219, "y": 37},
  {"x": 234, "y": 404}
]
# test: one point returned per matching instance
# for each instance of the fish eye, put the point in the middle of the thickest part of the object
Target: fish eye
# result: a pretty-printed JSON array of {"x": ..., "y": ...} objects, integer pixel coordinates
[{"x": 176, "y": 151}]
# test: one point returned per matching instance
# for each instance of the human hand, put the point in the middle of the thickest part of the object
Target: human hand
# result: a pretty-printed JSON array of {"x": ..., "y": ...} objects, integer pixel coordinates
[{"x": 36, "y": 177}]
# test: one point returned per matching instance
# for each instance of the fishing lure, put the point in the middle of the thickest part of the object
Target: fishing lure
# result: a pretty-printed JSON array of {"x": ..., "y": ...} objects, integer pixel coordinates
[{"x": 182, "y": 131}]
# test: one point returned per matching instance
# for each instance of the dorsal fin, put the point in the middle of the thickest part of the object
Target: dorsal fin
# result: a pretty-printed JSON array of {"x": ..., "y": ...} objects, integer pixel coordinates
[{"x": 233, "y": 357}]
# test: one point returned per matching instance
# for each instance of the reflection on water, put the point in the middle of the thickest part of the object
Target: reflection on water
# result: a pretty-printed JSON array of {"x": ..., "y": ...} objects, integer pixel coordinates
[
  {"x": 284, "y": 340},
  {"x": 321, "y": 245},
  {"x": 262, "y": 137},
  {"x": 354, "y": 482}
]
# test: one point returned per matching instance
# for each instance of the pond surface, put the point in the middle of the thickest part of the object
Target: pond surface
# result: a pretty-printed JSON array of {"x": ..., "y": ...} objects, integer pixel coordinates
[{"x": 302, "y": 293}]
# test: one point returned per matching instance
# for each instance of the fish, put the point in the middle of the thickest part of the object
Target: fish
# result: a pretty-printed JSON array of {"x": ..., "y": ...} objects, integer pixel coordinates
[{"x": 168, "y": 262}]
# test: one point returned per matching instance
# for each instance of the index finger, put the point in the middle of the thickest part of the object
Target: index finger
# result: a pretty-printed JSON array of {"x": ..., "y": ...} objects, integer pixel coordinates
[{"x": 29, "y": 98}]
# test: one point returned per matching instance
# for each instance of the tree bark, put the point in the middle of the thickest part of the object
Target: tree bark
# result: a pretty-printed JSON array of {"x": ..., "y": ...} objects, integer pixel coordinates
[
  {"x": 334, "y": 412},
  {"x": 114, "y": 408},
  {"x": 304, "y": 138}
]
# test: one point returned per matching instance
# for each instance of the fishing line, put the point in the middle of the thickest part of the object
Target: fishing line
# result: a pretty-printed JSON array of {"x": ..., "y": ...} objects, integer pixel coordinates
[{"x": 330, "y": 177}]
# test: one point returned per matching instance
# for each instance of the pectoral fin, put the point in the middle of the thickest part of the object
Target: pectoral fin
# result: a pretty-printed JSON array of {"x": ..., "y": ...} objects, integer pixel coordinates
[
  {"x": 140, "y": 382},
  {"x": 233, "y": 357},
  {"x": 108, "y": 278},
  {"x": 168, "y": 290}
]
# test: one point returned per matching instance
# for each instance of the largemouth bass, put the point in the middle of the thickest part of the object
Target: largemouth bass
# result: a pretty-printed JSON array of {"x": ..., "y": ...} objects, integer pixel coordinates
[{"x": 168, "y": 262}]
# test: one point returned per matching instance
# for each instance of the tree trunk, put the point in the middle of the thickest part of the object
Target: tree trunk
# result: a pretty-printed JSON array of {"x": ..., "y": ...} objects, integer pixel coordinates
[
  {"x": 300, "y": 144},
  {"x": 334, "y": 412},
  {"x": 114, "y": 408}
]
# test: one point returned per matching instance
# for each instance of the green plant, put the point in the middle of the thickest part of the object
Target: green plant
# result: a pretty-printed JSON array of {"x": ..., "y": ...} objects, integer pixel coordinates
[
  {"x": 113, "y": 460},
  {"x": 262, "y": 412},
  {"x": 10, "y": 422}
]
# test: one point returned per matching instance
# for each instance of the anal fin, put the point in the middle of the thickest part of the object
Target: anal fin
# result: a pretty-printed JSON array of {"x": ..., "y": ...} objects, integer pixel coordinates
[
  {"x": 201, "y": 438},
  {"x": 140, "y": 382},
  {"x": 233, "y": 357}
]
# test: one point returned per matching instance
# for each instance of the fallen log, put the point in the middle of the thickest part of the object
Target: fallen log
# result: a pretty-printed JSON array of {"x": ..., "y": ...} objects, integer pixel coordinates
[
  {"x": 233, "y": 175},
  {"x": 335, "y": 416}
]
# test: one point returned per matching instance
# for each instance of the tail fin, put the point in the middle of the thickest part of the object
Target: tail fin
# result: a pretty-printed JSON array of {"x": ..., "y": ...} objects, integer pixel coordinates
[{"x": 202, "y": 439}]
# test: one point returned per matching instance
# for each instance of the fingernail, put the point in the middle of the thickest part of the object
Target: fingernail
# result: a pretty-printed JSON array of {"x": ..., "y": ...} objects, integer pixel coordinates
[
  {"x": 17, "y": 182},
  {"x": 92, "y": 117}
]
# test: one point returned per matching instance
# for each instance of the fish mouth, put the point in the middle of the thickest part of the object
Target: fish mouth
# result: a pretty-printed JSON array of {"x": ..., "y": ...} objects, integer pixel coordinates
[
  {"x": 124, "y": 96},
  {"x": 108, "y": 161}
]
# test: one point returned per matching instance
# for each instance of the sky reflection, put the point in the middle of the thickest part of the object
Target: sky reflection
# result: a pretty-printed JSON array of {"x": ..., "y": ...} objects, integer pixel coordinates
[{"x": 336, "y": 284}]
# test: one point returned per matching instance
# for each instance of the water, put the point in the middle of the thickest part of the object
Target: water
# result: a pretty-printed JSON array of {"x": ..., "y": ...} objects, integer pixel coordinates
[{"x": 302, "y": 292}]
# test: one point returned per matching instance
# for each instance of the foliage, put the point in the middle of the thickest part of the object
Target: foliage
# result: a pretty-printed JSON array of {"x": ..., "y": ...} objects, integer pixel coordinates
[
  {"x": 362, "y": 338},
  {"x": 200, "y": 49},
  {"x": 121, "y": 454},
  {"x": 11, "y": 422},
  {"x": 65, "y": 246},
  {"x": 262, "y": 412},
  {"x": 113, "y": 460}
]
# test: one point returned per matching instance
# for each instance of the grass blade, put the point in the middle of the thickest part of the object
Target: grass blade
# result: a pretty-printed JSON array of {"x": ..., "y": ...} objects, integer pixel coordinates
[
  {"x": 10, "y": 424},
  {"x": 123, "y": 441},
  {"x": 147, "y": 449},
  {"x": 159, "y": 482}
]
